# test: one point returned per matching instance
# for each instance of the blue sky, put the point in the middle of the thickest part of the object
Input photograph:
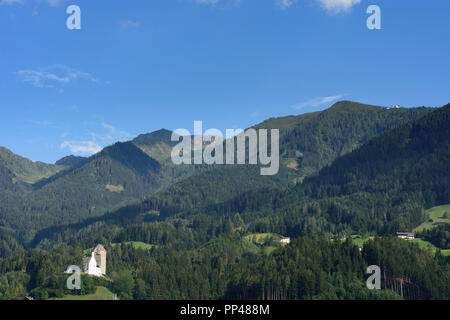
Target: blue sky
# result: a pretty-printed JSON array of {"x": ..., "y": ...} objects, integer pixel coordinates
[{"x": 140, "y": 65}]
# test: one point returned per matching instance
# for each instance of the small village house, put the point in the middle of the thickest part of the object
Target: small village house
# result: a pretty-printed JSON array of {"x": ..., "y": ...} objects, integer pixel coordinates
[
  {"x": 406, "y": 235},
  {"x": 281, "y": 239},
  {"x": 285, "y": 240}
]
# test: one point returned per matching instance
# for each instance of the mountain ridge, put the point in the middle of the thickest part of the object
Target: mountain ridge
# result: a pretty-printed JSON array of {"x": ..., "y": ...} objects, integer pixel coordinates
[
  {"x": 354, "y": 210},
  {"x": 25, "y": 170},
  {"x": 70, "y": 161},
  {"x": 129, "y": 172}
]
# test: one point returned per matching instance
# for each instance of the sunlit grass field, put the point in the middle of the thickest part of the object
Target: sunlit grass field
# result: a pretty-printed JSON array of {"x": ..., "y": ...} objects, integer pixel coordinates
[
  {"x": 101, "y": 293},
  {"x": 436, "y": 215}
]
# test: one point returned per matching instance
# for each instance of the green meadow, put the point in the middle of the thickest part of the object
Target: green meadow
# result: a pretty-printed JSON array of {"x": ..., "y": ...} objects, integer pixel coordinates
[
  {"x": 101, "y": 293},
  {"x": 436, "y": 214},
  {"x": 259, "y": 238},
  {"x": 135, "y": 244}
]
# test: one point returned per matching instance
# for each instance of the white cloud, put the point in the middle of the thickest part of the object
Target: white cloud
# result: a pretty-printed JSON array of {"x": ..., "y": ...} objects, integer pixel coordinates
[
  {"x": 43, "y": 123},
  {"x": 338, "y": 6},
  {"x": 54, "y": 75},
  {"x": 129, "y": 24},
  {"x": 52, "y": 3},
  {"x": 41, "y": 79},
  {"x": 210, "y": 2},
  {"x": 284, "y": 4},
  {"x": 96, "y": 141},
  {"x": 111, "y": 135},
  {"x": 10, "y": 2},
  {"x": 317, "y": 102},
  {"x": 82, "y": 148}
]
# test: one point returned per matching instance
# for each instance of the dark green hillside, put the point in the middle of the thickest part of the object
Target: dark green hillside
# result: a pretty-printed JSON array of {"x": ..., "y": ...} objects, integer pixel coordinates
[
  {"x": 315, "y": 140},
  {"x": 439, "y": 236},
  {"x": 235, "y": 189},
  {"x": 128, "y": 172},
  {"x": 26, "y": 170},
  {"x": 221, "y": 184},
  {"x": 381, "y": 187},
  {"x": 197, "y": 230},
  {"x": 216, "y": 186},
  {"x": 118, "y": 175},
  {"x": 314, "y": 268},
  {"x": 114, "y": 177},
  {"x": 6, "y": 179},
  {"x": 411, "y": 158},
  {"x": 230, "y": 267},
  {"x": 71, "y": 161},
  {"x": 157, "y": 145},
  {"x": 10, "y": 193},
  {"x": 8, "y": 245},
  {"x": 130, "y": 156},
  {"x": 193, "y": 194}
]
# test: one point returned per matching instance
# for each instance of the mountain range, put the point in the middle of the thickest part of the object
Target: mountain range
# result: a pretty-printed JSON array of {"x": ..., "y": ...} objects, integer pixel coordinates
[
  {"x": 381, "y": 187},
  {"x": 74, "y": 189},
  {"x": 353, "y": 169}
]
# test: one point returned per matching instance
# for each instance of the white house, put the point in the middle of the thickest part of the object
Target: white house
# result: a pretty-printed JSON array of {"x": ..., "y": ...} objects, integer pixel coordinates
[
  {"x": 285, "y": 240},
  {"x": 406, "y": 235}
]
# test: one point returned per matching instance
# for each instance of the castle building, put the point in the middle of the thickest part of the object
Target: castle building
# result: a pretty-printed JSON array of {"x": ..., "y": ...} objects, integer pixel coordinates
[{"x": 95, "y": 264}]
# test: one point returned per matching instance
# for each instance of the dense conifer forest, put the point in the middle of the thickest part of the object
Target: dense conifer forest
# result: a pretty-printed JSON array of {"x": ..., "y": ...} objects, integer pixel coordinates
[{"x": 350, "y": 170}]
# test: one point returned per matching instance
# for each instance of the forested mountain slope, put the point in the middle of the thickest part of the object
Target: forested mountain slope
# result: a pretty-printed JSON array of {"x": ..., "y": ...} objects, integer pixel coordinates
[
  {"x": 113, "y": 177},
  {"x": 317, "y": 205},
  {"x": 70, "y": 161},
  {"x": 118, "y": 175},
  {"x": 312, "y": 141},
  {"x": 230, "y": 267},
  {"x": 6, "y": 179},
  {"x": 26, "y": 170},
  {"x": 381, "y": 187},
  {"x": 199, "y": 230},
  {"x": 127, "y": 172}
]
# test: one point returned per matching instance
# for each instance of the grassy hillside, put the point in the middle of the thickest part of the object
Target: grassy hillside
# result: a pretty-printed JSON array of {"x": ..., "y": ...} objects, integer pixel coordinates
[
  {"x": 426, "y": 245},
  {"x": 312, "y": 141},
  {"x": 101, "y": 293},
  {"x": 382, "y": 187},
  {"x": 392, "y": 177},
  {"x": 136, "y": 244},
  {"x": 259, "y": 238},
  {"x": 26, "y": 170},
  {"x": 358, "y": 240},
  {"x": 6, "y": 179},
  {"x": 329, "y": 133},
  {"x": 435, "y": 214},
  {"x": 198, "y": 225},
  {"x": 71, "y": 161},
  {"x": 126, "y": 173},
  {"x": 120, "y": 174},
  {"x": 157, "y": 145}
]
